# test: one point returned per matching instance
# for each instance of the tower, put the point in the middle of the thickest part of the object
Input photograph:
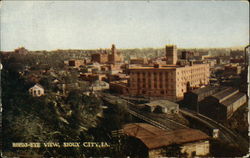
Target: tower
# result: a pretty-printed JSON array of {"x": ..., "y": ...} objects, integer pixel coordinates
[
  {"x": 113, "y": 49},
  {"x": 171, "y": 54},
  {"x": 112, "y": 57}
]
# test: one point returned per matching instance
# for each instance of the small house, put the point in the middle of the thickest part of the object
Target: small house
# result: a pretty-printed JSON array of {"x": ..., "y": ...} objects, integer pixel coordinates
[{"x": 37, "y": 90}]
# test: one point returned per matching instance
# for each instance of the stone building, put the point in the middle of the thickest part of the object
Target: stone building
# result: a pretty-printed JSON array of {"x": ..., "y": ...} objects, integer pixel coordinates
[
  {"x": 167, "y": 81},
  {"x": 145, "y": 140},
  {"x": 37, "y": 90},
  {"x": 170, "y": 82}
]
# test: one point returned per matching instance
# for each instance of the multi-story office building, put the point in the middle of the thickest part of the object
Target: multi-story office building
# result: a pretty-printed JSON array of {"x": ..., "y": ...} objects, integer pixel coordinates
[{"x": 168, "y": 81}]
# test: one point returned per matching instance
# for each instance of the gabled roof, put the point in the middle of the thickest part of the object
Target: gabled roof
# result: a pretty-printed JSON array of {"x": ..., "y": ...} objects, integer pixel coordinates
[
  {"x": 233, "y": 99},
  {"x": 154, "y": 137},
  {"x": 225, "y": 93},
  {"x": 38, "y": 85}
]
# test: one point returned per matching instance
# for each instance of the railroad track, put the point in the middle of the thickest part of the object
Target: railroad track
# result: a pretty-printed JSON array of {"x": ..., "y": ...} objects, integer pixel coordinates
[
  {"x": 226, "y": 133},
  {"x": 165, "y": 123}
]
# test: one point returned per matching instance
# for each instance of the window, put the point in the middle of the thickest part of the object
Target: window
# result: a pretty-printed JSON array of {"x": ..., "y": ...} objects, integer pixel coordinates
[{"x": 39, "y": 92}]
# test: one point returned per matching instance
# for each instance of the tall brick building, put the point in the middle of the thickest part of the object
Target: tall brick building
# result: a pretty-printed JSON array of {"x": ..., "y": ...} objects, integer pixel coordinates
[
  {"x": 171, "y": 54},
  {"x": 167, "y": 81},
  {"x": 106, "y": 58},
  {"x": 101, "y": 58}
]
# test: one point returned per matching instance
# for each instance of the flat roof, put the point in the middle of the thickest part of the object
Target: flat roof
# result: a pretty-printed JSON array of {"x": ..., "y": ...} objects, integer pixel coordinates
[
  {"x": 204, "y": 90},
  {"x": 163, "y": 67},
  {"x": 151, "y": 67},
  {"x": 154, "y": 137}
]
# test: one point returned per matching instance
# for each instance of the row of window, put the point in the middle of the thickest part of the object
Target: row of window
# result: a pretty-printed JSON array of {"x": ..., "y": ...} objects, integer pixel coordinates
[
  {"x": 148, "y": 79},
  {"x": 151, "y": 73},
  {"x": 191, "y": 77},
  {"x": 192, "y": 70},
  {"x": 152, "y": 93},
  {"x": 35, "y": 92},
  {"x": 149, "y": 85}
]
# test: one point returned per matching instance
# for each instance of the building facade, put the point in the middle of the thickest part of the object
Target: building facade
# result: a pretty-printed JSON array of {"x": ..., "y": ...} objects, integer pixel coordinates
[
  {"x": 106, "y": 58},
  {"x": 75, "y": 63},
  {"x": 139, "y": 61},
  {"x": 169, "y": 82},
  {"x": 101, "y": 58},
  {"x": 171, "y": 54}
]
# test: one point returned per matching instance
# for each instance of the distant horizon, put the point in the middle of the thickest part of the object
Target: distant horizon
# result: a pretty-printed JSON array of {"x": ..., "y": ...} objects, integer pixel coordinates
[
  {"x": 233, "y": 47},
  {"x": 81, "y": 25}
]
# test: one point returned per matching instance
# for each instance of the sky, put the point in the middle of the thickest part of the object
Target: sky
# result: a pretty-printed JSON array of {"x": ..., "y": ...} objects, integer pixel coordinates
[{"x": 50, "y": 25}]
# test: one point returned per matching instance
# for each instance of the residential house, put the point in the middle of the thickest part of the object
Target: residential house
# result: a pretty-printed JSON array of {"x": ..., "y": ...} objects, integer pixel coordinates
[{"x": 37, "y": 90}]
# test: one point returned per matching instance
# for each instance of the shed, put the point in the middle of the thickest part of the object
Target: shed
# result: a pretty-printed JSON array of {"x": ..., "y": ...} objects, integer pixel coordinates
[{"x": 162, "y": 106}]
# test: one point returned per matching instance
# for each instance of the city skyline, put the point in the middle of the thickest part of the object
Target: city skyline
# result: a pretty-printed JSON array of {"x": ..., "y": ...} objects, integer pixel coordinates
[{"x": 93, "y": 25}]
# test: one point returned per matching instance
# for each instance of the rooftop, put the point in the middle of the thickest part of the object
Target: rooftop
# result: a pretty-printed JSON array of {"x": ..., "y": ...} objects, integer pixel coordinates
[
  {"x": 232, "y": 99},
  {"x": 225, "y": 93},
  {"x": 152, "y": 67},
  {"x": 164, "y": 103},
  {"x": 162, "y": 67},
  {"x": 200, "y": 91},
  {"x": 37, "y": 84},
  {"x": 154, "y": 137}
]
